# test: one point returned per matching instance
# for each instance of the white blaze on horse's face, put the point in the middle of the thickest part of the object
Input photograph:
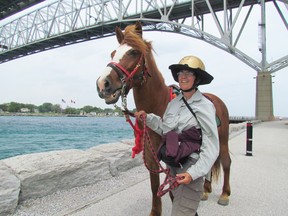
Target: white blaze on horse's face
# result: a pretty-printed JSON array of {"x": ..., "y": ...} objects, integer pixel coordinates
[
  {"x": 120, "y": 52},
  {"x": 105, "y": 86}
]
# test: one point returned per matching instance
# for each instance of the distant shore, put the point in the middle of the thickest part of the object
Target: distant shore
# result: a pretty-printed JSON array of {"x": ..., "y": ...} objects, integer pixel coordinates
[
  {"x": 52, "y": 115},
  {"x": 32, "y": 114}
]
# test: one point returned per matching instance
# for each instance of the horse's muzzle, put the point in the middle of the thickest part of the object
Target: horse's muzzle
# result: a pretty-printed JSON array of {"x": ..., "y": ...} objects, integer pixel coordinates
[{"x": 106, "y": 92}]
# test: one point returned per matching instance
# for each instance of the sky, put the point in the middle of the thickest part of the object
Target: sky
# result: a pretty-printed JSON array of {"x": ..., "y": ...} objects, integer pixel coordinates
[{"x": 70, "y": 72}]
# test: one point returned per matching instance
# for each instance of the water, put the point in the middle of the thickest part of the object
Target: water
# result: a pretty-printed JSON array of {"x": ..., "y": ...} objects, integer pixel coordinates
[{"x": 25, "y": 134}]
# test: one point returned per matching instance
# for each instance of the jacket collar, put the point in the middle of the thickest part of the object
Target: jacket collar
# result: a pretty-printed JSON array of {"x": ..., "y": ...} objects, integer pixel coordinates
[{"x": 195, "y": 97}]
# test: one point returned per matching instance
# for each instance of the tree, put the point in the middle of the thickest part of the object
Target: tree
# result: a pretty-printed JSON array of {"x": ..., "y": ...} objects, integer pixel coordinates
[
  {"x": 4, "y": 107},
  {"x": 87, "y": 109},
  {"x": 56, "y": 108},
  {"x": 118, "y": 110},
  {"x": 31, "y": 107},
  {"x": 97, "y": 110},
  {"x": 70, "y": 110},
  {"x": 46, "y": 108},
  {"x": 14, "y": 107}
]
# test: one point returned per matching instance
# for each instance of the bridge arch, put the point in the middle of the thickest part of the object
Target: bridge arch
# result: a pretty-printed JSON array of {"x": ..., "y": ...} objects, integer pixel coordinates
[{"x": 62, "y": 23}]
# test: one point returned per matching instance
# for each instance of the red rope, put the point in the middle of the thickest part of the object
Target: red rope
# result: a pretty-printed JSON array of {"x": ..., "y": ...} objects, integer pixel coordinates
[
  {"x": 170, "y": 181},
  {"x": 138, "y": 134},
  {"x": 138, "y": 137}
]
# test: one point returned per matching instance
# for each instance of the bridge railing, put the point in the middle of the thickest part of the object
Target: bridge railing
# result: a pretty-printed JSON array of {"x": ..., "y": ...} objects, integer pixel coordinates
[
  {"x": 63, "y": 17},
  {"x": 237, "y": 119}
]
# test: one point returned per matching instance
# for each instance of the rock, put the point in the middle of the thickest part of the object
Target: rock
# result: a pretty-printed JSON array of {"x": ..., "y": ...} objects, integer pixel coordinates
[
  {"x": 9, "y": 190},
  {"x": 45, "y": 173},
  {"x": 119, "y": 156}
]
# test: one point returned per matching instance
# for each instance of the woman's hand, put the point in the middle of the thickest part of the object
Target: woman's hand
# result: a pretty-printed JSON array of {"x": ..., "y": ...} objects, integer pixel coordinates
[
  {"x": 140, "y": 115},
  {"x": 185, "y": 178}
]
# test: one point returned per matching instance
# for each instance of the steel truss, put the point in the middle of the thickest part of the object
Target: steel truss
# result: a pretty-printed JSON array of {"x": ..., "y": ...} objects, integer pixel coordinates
[{"x": 66, "y": 22}]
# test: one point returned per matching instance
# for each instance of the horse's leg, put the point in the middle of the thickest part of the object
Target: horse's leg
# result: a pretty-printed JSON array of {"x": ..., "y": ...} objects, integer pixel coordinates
[
  {"x": 226, "y": 163},
  {"x": 207, "y": 189},
  {"x": 156, "y": 201}
]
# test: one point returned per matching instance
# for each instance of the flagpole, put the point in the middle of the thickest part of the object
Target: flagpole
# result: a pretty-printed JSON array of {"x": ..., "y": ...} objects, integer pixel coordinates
[{"x": 63, "y": 101}]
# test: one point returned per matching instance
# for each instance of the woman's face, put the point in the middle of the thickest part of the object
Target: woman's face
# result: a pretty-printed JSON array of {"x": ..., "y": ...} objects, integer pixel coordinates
[{"x": 186, "y": 79}]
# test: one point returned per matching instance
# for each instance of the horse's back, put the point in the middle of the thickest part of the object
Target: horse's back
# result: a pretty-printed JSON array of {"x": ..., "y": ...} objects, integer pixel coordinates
[
  {"x": 221, "y": 109},
  {"x": 222, "y": 114}
]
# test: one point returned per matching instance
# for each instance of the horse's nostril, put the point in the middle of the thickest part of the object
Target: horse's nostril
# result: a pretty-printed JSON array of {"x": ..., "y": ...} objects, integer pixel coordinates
[{"x": 106, "y": 84}]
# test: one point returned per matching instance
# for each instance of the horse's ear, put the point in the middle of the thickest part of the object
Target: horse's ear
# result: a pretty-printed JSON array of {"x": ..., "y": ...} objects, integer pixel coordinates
[
  {"x": 119, "y": 34},
  {"x": 113, "y": 53},
  {"x": 138, "y": 28}
]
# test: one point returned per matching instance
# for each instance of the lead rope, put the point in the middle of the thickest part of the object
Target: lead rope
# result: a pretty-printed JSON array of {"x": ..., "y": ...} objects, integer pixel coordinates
[{"x": 170, "y": 181}]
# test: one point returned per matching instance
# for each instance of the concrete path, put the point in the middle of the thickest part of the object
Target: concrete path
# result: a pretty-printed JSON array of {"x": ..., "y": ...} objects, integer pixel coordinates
[{"x": 258, "y": 182}]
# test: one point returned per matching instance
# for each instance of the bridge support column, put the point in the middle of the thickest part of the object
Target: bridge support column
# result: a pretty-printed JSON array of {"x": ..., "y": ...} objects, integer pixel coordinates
[{"x": 264, "y": 97}]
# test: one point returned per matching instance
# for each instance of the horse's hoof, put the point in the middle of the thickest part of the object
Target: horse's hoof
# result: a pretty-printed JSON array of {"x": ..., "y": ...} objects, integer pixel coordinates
[
  {"x": 205, "y": 196},
  {"x": 223, "y": 200}
]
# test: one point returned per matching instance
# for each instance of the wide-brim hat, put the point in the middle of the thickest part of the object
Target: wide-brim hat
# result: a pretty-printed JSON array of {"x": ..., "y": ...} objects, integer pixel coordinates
[{"x": 193, "y": 64}]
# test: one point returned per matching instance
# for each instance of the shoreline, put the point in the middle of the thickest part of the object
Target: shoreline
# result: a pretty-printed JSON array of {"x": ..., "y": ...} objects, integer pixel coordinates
[{"x": 52, "y": 115}]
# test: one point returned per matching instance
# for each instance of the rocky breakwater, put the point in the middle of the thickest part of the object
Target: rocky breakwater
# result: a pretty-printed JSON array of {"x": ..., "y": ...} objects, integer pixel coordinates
[{"x": 40, "y": 174}]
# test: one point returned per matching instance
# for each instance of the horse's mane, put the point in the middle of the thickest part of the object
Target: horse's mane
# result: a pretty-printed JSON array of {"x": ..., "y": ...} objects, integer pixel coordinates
[{"x": 134, "y": 39}]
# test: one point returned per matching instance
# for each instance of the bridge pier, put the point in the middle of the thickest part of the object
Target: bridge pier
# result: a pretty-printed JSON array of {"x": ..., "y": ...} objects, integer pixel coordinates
[{"x": 264, "y": 97}]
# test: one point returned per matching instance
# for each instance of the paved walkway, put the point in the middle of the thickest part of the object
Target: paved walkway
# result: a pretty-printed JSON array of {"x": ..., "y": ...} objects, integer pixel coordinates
[{"x": 258, "y": 182}]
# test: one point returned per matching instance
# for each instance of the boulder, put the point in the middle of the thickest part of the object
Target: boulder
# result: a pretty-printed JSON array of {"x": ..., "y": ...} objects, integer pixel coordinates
[
  {"x": 44, "y": 173},
  {"x": 118, "y": 155},
  {"x": 9, "y": 190},
  {"x": 41, "y": 174}
]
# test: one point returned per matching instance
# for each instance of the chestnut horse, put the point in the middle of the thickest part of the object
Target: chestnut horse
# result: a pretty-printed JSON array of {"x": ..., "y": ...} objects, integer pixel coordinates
[{"x": 133, "y": 67}]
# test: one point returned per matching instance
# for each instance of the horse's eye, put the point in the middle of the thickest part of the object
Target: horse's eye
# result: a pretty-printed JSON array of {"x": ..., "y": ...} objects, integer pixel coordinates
[{"x": 133, "y": 52}]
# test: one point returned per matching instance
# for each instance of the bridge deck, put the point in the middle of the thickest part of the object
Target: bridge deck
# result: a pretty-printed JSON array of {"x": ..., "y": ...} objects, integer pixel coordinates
[
  {"x": 8, "y": 8},
  {"x": 180, "y": 11}
]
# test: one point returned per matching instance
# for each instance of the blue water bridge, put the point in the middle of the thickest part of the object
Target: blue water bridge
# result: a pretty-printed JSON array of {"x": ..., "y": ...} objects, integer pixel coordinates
[{"x": 30, "y": 27}]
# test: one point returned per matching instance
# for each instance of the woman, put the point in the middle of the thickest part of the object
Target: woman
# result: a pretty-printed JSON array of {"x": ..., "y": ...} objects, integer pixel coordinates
[{"x": 189, "y": 73}]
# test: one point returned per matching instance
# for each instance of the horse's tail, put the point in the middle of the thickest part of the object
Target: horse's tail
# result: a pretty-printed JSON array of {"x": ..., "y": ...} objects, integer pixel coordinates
[{"x": 216, "y": 169}]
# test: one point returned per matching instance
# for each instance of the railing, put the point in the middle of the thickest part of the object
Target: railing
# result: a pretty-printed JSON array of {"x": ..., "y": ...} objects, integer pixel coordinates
[{"x": 238, "y": 119}]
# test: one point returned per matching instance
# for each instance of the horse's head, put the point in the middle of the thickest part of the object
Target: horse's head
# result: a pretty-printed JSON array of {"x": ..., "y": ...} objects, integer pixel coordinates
[{"x": 127, "y": 67}]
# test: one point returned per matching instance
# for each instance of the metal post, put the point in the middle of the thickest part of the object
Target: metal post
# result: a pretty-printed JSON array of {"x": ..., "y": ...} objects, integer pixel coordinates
[{"x": 249, "y": 130}]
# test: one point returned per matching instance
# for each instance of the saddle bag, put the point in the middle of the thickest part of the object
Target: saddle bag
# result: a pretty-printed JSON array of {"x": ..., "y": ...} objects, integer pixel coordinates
[
  {"x": 169, "y": 159},
  {"x": 176, "y": 149}
]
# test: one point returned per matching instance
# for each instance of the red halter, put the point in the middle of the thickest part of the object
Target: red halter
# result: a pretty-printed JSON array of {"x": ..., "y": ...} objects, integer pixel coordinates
[{"x": 120, "y": 70}]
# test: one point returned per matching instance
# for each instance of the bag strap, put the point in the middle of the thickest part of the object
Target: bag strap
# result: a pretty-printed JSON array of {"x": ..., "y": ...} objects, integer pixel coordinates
[{"x": 190, "y": 109}]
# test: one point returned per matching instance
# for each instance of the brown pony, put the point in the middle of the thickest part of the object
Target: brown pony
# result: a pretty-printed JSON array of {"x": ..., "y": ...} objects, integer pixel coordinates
[{"x": 133, "y": 67}]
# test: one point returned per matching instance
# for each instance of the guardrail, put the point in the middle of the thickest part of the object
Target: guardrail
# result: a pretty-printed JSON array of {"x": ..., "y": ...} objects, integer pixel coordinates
[{"x": 238, "y": 119}]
